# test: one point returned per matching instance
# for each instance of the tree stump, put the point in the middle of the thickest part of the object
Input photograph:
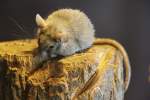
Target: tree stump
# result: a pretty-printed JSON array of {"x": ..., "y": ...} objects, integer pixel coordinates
[{"x": 59, "y": 79}]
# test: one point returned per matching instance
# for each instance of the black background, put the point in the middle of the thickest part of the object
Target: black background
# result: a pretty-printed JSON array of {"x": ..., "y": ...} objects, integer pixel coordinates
[{"x": 127, "y": 21}]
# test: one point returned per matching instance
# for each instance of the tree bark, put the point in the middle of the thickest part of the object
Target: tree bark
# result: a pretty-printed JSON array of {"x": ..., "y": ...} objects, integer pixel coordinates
[{"x": 59, "y": 79}]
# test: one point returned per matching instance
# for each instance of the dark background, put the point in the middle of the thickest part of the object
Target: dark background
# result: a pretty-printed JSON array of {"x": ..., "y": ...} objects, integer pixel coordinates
[{"x": 127, "y": 21}]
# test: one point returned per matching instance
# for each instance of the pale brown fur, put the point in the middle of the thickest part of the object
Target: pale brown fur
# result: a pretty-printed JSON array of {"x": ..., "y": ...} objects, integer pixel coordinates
[
  {"x": 72, "y": 28},
  {"x": 67, "y": 31}
]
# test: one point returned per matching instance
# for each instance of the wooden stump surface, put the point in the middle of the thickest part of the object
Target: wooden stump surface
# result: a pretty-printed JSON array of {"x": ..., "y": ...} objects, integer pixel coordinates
[{"x": 59, "y": 79}]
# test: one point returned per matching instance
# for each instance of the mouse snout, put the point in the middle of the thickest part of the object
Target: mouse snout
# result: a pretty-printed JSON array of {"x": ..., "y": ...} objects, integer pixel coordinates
[{"x": 53, "y": 50}]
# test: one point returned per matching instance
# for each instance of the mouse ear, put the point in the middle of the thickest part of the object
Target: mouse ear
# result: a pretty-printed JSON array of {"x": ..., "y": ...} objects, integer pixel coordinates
[{"x": 40, "y": 21}]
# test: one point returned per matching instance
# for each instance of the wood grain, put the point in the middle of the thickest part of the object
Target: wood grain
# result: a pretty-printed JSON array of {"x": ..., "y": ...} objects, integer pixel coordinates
[{"x": 59, "y": 79}]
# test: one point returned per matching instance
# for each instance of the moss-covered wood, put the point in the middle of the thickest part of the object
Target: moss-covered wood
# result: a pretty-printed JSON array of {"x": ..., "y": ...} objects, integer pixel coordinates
[{"x": 59, "y": 79}]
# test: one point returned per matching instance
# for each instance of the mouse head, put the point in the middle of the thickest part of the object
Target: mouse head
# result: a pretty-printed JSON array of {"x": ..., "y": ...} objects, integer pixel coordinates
[{"x": 54, "y": 38}]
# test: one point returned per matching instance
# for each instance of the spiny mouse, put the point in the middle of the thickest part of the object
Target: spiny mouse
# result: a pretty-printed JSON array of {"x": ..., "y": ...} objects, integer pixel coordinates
[{"x": 67, "y": 31}]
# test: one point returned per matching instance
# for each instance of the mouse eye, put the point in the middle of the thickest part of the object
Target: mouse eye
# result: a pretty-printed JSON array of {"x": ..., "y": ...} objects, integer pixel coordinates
[{"x": 56, "y": 40}]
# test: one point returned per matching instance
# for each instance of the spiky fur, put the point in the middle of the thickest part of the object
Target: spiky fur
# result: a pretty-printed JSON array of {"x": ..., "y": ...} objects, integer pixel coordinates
[
  {"x": 67, "y": 31},
  {"x": 74, "y": 28}
]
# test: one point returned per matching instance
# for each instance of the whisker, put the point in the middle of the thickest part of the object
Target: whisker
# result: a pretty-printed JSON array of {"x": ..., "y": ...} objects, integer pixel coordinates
[
  {"x": 20, "y": 27},
  {"x": 17, "y": 35}
]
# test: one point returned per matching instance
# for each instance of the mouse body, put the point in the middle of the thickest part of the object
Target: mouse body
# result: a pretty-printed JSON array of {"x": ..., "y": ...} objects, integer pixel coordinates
[{"x": 67, "y": 31}]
